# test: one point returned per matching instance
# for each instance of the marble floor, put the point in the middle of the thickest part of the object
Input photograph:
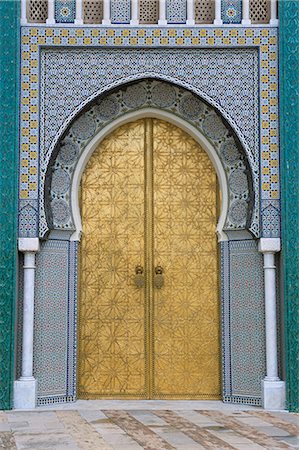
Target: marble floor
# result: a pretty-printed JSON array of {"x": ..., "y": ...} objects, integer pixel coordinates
[{"x": 150, "y": 425}]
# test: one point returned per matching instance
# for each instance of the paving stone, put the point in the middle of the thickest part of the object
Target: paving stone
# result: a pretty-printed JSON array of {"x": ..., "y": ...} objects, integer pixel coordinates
[
  {"x": 291, "y": 440},
  {"x": 235, "y": 439},
  {"x": 197, "y": 418},
  {"x": 291, "y": 418},
  {"x": 147, "y": 418},
  {"x": 45, "y": 441},
  {"x": 4, "y": 426},
  {"x": 115, "y": 437},
  {"x": 273, "y": 431},
  {"x": 91, "y": 415},
  {"x": 250, "y": 447},
  {"x": 150, "y": 425},
  {"x": 15, "y": 426},
  {"x": 253, "y": 421},
  {"x": 177, "y": 439}
]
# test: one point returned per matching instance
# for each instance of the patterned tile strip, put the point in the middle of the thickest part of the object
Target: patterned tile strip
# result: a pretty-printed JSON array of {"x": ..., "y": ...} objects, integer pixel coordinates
[
  {"x": 139, "y": 432},
  {"x": 83, "y": 433},
  {"x": 198, "y": 434},
  {"x": 249, "y": 432},
  {"x": 277, "y": 422}
]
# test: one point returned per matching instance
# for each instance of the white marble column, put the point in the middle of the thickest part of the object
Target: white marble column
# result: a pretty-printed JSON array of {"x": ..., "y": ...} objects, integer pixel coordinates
[
  {"x": 246, "y": 12},
  {"x": 218, "y": 20},
  {"x": 190, "y": 13},
  {"x": 79, "y": 12},
  {"x": 162, "y": 13},
  {"x": 273, "y": 17},
  {"x": 25, "y": 386},
  {"x": 24, "y": 12},
  {"x": 51, "y": 12},
  {"x": 134, "y": 12},
  {"x": 106, "y": 13},
  {"x": 273, "y": 389}
]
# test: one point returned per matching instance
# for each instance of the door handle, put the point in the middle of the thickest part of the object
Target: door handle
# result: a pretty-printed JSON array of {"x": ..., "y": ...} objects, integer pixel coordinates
[
  {"x": 139, "y": 277},
  {"x": 158, "y": 277}
]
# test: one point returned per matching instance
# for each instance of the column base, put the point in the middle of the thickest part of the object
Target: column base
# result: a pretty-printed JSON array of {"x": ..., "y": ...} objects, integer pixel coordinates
[
  {"x": 218, "y": 22},
  {"x": 273, "y": 395},
  {"x": 134, "y": 22},
  {"x": 246, "y": 22},
  {"x": 78, "y": 21},
  {"x": 190, "y": 22},
  {"x": 106, "y": 22},
  {"x": 25, "y": 391},
  {"x": 162, "y": 22}
]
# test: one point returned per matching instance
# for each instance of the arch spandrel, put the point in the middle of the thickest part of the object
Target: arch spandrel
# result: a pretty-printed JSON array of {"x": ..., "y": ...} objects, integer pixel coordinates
[{"x": 237, "y": 174}]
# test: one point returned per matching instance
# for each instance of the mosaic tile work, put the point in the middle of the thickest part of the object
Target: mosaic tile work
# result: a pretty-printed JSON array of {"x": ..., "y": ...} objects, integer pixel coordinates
[
  {"x": 65, "y": 11},
  {"x": 231, "y": 11},
  {"x": 243, "y": 321},
  {"x": 263, "y": 39},
  {"x": 120, "y": 11},
  {"x": 200, "y": 64},
  {"x": 200, "y": 70},
  {"x": 289, "y": 109},
  {"x": 54, "y": 337},
  {"x": 176, "y": 11},
  {"x": 270, "y": 218},
  {"x": 177, "y": 101},
  {"x": 9, "y": 90},
  {"x": 28, "y": 218}
]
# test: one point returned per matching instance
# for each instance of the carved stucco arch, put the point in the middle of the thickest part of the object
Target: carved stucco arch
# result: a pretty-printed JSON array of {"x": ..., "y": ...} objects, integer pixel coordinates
[{"x": 130, "y": 102}]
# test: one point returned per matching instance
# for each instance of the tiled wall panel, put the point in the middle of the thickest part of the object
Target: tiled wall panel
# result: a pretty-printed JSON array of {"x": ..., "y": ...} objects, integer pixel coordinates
[
  {"x": 243, "y": 321},
  {"x": 54, "y": 338}
]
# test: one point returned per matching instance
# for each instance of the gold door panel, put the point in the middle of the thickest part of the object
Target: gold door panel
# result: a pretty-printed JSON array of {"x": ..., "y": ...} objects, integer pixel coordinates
[
  {"x": 186, "y": 309},
  {"x": 111, "y": 310},
  {"x": 149, "y": 312}
]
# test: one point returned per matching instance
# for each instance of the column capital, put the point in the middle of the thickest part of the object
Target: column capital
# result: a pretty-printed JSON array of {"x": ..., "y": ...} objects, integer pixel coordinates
[
  {"x": 269, "y": 245},
  {"x": 28, "y": 245}
]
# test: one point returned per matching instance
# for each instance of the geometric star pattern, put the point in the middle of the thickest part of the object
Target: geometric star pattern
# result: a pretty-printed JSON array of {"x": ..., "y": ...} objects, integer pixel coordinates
[
  {"x": 148, "y": 342},
  {"x": 186, "y": 309}
]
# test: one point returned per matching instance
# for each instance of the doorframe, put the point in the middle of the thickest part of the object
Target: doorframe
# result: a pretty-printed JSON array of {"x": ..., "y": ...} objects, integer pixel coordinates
[{"x": 156, "y": 114}]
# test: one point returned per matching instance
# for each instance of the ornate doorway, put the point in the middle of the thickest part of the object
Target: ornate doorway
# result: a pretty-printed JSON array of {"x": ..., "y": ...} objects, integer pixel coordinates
[{"x": 149, "y": 308}]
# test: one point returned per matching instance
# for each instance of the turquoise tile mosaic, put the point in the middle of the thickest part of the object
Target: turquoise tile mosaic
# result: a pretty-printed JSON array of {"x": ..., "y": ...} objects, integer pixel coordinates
[{"x": 9, "y": 88}]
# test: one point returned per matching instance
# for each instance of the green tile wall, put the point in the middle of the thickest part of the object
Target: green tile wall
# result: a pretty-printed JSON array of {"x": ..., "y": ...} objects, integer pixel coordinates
[{"x": 9, "y": 90}]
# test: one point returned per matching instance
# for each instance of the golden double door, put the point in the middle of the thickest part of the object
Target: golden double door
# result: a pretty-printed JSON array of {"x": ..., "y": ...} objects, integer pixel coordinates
[{"x": 149, "y": 309}]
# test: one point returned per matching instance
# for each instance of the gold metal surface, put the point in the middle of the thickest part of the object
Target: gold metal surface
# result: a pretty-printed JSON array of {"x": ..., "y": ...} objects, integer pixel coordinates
[
  {"x": 112, "y": 309},
  {"x": 149, "y": 200},
  {"x": 186, "y": 309}
]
